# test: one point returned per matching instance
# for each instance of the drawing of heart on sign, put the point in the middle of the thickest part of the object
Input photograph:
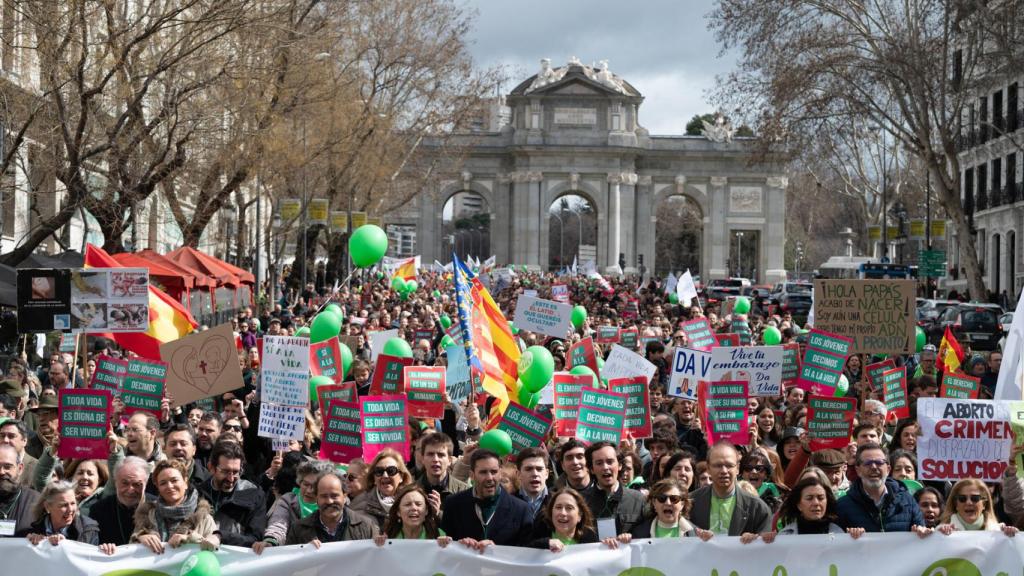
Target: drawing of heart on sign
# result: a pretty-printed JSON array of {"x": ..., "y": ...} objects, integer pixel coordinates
[{"x": 201, "y": 365}]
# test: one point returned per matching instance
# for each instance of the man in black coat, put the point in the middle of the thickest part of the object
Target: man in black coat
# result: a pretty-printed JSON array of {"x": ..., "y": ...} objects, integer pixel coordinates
[
  {"x": 486, "y": 514},
  {"x": 239, "y": 506},
  {"x": 115, "y": 513},
  {"x": 609, "y": 501}
]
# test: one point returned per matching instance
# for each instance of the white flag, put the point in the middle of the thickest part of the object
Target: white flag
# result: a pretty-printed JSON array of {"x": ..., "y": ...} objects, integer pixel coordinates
[
  {"x": 1010, "y": 382},
  {"x": 574, "y": 271},
  {"x": 670, "y": 283},
  {"x": 685, "y": 289}
]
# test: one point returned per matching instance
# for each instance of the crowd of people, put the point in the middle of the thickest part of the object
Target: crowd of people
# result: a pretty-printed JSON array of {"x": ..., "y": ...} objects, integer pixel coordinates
[{"x": 201, "y": 474}]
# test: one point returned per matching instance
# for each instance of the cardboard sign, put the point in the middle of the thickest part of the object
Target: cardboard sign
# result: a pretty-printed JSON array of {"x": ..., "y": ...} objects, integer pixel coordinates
[
  {"x": 760, "y": 366},
  {"x": 623, "y": 363},
  {"x": 560, "y": 293},
  {"x": 457, "y": 376},
  {"x": 894, "y": 384},
  {"x": 424, "y": 386},
  {"x": 582, "y": 354},
  {"x": 742, "y": 329},
  {"x": 143, "y": 386},
  {"x": 342, "y": 439},
  {"x": 638, "y": 405},
  {"x": 628, "y": 337},
  {"x": 543, "y": 316},
  {"x": 83, "y": 420},
  {"x": 727, "y": 339},
  {"x": 345, "y": 392},
  {"x": 963, "y": 439},
  {"x": 285, "y": 371},
  {"x": 384, "y": 424},
  {"x": 790, "y": 363},
  {"x": 607, "y": 334},
  {"x": 567, "y": 389},
  {"x": 876, "y": 370},
  {"x": 689, "y": 368},
  {"x": 109, "y": 374},
  {"x": 378, "y": 339},
  {"x": 830, "y": 421},
  {"x": 823, "y": 362},
  {"x": 699, "y": 335},
  {"x": 726, "y": 407},
  {"x": 201, "y": 365},
  {"x": 602, "y": 416},
  {"x": 325, "y": 360},
  {"x": 283, "y": 422},
  {"x": 959, "y": 386},
  {"x": 879, "y": 315},
  {"x": 525, "y": 427},
  {"x": 389, "y": 375}
]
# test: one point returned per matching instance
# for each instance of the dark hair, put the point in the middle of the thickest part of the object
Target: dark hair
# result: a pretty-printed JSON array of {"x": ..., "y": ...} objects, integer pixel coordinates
[
  {"x": 677, "y": 457},
  {"x": 482, "y": 454},
  {"x": 934, "y": 492},
  {"x": 227, "y": 448},
  {"x": 8, "y": 402},
  {"x": 663, "y": 486},
  {"x": 634, "y": 458},
  {"x": 655, "y": 346},
  {"x": 754, "y": 458},
  {"x": 571, "y": 444},
  {"x": 790, "y": 512},
  {"x": 528, "y": 453},
  {"x": 775, "y": 434},
  {"x": 152, "y": 424},
  {"x": 862, "y": 427},
  {"x": 19, "y": 425},
  {"x": 586, "y": 523},
  {"x": 434, "y": 439},
  {"x": 898, "y": 432},
  {"x": 589, "y": 452},
  {"x": 171, "y": 464},
  {"x": 212, "y": 417},
  {"x": 431, "y": 521},
  {"x": 181, "y": 427},
  {"x": 869, "y": 446},
  {"x": 901, "y": 453}
]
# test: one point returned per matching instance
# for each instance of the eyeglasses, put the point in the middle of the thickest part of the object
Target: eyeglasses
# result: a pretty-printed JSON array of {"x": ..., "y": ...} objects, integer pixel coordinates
[
  {"x": 235, "y": 427},
  {"x": 756, "y": 468},
  {"x": 390, "y": 471},
  {"x": 873, "y": 463},
  {"x": 975, "y": 498},
  {"x": 671, "y": 498}
]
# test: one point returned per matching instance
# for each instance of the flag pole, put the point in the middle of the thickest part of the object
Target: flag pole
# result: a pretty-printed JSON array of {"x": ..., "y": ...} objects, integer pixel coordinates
[{"x": 74, "y": 364}]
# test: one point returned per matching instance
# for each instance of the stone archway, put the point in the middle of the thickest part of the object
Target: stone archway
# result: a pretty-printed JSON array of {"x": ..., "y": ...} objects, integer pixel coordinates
[
  {"x": 466, "y": 225},
  {"x": 678, "y": 235},
  {"x": 572, "y": 231}
]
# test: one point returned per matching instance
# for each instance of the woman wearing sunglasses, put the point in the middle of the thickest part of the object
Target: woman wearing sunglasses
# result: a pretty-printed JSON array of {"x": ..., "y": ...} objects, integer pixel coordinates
[
  {"x": 412, "y": 518},
  {"x": 384, "y": 476},
  {"x": 969, "y": 507},
  {"x": 670, "y": 503}
]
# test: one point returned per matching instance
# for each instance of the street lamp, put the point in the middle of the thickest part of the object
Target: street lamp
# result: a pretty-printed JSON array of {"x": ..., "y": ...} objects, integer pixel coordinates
[
  {"x": 799, "y": 257},
  {"x": 561, "y": 238},
  {"x": 739, "y": 254}
]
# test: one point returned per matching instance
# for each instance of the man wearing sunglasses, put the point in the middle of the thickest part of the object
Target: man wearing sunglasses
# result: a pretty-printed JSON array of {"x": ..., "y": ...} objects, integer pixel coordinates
[{"x": 877, "y": 503}]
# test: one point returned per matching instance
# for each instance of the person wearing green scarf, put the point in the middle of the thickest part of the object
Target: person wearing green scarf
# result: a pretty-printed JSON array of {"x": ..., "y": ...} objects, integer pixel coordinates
[
  {"x": 412, "y": 517},
  {"x": 969, "y": 508},
  {"x": 294, "y": 505}
]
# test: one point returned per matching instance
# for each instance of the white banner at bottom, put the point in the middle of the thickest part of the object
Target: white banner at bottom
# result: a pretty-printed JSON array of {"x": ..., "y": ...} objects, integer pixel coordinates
[{"x": 962, "y": 554}]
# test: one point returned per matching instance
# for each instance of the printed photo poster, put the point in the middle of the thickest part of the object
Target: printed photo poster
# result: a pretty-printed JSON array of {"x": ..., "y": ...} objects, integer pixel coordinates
[
  {"x": 629, "y": 338},
  {"x": 895, "y": 387},
  {"x": 830, "y": 421},
  {"x": 83, "y": 421},
  {"x": 325, "y": 360},
  {"x": 582, "y": 353},
  {"x": 285, "y": 371},
  {"x": 384, "y": 424},
  {"x": 607, "y": 334},
  {"x": 345, "y": 392},
  {"x": 143, "y": 386},
  {"x": 567, "y": 389},
  {"x": 543, "y": 316},
  {"x": 790, "y": 363},
  {"x": 44, "y": 299},
  {"x": 638, "y": 406},
  {"x": 689, "y": 368},
  {"x": 560, "y": 293},
  {"x": 110, "y": 299},
  {"x": 760, "y": 366},
  {"x": 823, "y": 362},
  {"x": 602, "y": 416},
  {"x": 342, "y": 438},
  {"x": 959, "y": 386},
  {"x": 282, "y": 422},
  {"x": 525, "y": 427},
  {"x": 109, "y": 374},
  {"x": 876, "y": 370},
  {"x": 201, "y": 364},
  {"x": 963, "y": 439},
  {"x": 424, "y": 387},
  {"x": 389, "y": 375},
  {"x": 726, "y": 407},
  {"x": 722, "y": 339},
  {"x": 699, "y": 335}
]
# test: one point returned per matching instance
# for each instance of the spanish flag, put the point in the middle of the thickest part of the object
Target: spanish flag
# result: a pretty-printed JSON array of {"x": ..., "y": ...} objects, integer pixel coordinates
[
  {"x": 406, "y": 270},
  {"x": 168, "y": 319},
  {"x": 950, "y": 353}
]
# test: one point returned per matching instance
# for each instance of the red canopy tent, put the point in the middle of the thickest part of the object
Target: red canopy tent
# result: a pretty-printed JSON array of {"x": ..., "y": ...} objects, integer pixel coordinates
[
  {"x": 204, "y": 284},
  {"x": 227, "y": 279}
]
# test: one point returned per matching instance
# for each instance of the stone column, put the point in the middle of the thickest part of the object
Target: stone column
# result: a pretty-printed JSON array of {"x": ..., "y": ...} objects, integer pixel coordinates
[
  {"x": 645, "y": 223},
  {"x": 537, "y": 252},
  {"x": 614, "y": 243},
  {"x": 519, "y": 218},
  {"x": 718, "y": 247},
  {"x": 428, "y": 229},
  {"x": 773, "y": 241},
  {"x": 627, "y": 220},
  {"x": 501, "y": 218}
]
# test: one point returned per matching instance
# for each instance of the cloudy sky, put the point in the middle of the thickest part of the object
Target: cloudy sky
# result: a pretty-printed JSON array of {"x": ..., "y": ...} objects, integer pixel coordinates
[{"x": 662, "y": 47}]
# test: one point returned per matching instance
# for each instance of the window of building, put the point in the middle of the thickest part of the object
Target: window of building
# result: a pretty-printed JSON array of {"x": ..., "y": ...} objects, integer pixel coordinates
[
  {"x": 1012, "y": 113},
  {"x": 616, "y": 118},
  {"x": 997, "y": 112},
  {"x": 981, "y": 198}
]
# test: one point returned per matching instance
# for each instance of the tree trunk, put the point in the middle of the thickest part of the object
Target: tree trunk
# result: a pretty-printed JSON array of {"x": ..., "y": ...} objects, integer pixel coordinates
[{"x": 41, "y": 233}]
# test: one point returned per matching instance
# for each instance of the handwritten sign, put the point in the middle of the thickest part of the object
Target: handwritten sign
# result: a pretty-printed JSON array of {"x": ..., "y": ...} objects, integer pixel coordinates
[
  {"x": 201, "y": 365},
  {"x": 760, "y": 366},
  {"x": 285, "y": 371},
  {"x": 689, "y": 368},
  {"x": 823, "y": 362},
  {"x": 894, "y": 384},
  {"x": 726, "y": 407},
  {"x": 601, "y": 417},
  {"x": 424, "y": 387},
  {"x": 567, "y": 390},
  {"x": 342, "y": 440},
  {"x": 829, "y": 422},
  {"x": 878, "y": 315},
  {"x": 389, "y": 375},
  {"x": 543, "y": 316},
  {"x": 457, "y": 376},
  {"x": 959, "y": 386},
  {"x": 325, "y": 360},
  {"x": 638, "y": 405},
  {"x": 143, "y": 387},
  {"x": 525, "y": 427},
  {"x": 83, "y": 420},
  {"x": 283, "y": 422},
  {"x": 963, "y": 439},
  {"x": 699, "y": 334},
  {"x": 384, "y": 424},
  {"x": 109, "y": 374},
  {"x": 623, "y": 363}
]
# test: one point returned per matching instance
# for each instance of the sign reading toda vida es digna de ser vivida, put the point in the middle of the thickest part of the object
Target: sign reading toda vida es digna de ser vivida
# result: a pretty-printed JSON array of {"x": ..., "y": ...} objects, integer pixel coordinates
[
  {"x": 384, "y": 424},
  {"x": 84, "y": 418}
]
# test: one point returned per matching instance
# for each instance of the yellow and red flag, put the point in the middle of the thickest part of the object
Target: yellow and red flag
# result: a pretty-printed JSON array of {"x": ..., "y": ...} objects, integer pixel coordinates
[
  {"x": 950, "y": 353},
  {"x": 406, "y": 269},
  {"x": 168, "y": 319}
]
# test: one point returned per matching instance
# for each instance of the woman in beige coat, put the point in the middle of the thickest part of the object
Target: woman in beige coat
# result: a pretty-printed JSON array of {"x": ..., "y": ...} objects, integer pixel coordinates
[{"x": 178, "y": 516}]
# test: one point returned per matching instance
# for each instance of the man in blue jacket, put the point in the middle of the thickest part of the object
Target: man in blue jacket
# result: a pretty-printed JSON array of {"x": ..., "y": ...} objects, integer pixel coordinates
[
  {"x": 877, "y": 503},
  {"x": 486, "y": 514}
]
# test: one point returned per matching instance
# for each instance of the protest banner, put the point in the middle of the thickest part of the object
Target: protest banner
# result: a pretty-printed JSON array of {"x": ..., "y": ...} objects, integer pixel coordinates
[
  {"x": 963, "y": 439},
  {"x": 741, "y": 329},
  {"x": 567, "y": 389},
  {"x": 878, "y": 315},
  {"x": 560, "y": 293},
  {"x": 699, "y": 335},
  {"x": 726, "y": 407},
  {"x": 790, "y": 363},
  {"x": 83, "y": 420},
  {"x": 109, "y": 374},
  {"x": 345, "y": 392},
  {"x": 607, "y": 334},
  {"x": 282, "y": 422},
  {"x": 760, "y": 366},
  {"x": 830, "y": 421},
  {"x": 628, "y": 337},
  {"x": 543, "y": 316},
  {"x": 823, "y": 362},
  {"x": 622, "y": 363},
  {"x": 959, "y": 386},
  {"x": 285, "y": 371},
  {"x": 727, "y": 339},
  {"x": 689, "y": 367},
  {"x": 638, "y": 405},
  {"x": 389, "y": 375},
  {"x": 582, "y": 353},
  {"x": 601, "y": 416},
  {"x": 201, "y": 364},
  {"x": 380, "y": 337},
  {"x": 325, "y": 359},
  {"x": 424, "y": 387},
  {"x": 143, "y": 386},
  {"x": 342, "y": 439},
  {"x": 384, "y": 424},
  {"x": 894, "y": 383},
  {"x": 525, "y": 427},
  {"x": 876, "y": 370}
]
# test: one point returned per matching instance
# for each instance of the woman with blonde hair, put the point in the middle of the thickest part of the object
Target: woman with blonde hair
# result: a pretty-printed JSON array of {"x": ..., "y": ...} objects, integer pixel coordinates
[
  {"x": 969, "y": 507},
  {"x": 58, "y": 518},
  {"x": 384, "y": 476}
]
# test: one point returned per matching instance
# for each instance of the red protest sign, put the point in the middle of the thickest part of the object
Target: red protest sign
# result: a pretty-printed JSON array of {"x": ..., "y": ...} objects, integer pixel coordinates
[
  {"x": 388, "y": 375},
  {"x": 384, "y": 422},
  {"x": 607, "y": 334},
  {"x": 895, "y": 385},
  {"x": 424, "y": 386},
  {"x": 346, "y": 392},
  {"x": 959, "y": 386},
  {"x": 525, "y": 427},
  {"x": 325, "y": 360},
  {"x": 342, "y": 437},
  {"x": 727, "y": 339},
  {"x": 629, "y": 337},
  {"x": 726, "y": 408},
  {"x": 83, "y": 420},
  {"x": 567, "y": 401},
  {"x": 582, "y": 354},
  {"x": 109, "y": 374},
  {"x": 699, "y": 334},
  {"x": 638, "y": 405},
  {"x": 876, "y": 370},
  {"x": 143, "y": 386},
  {"x": 790, "y": 364},
  {"x": 830, "y": 421}
]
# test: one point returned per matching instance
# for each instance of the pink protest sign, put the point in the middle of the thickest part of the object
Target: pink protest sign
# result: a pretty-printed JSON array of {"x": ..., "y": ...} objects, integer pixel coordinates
[
  {"x": 342, "y": 439},
  {"x": 83, "y": 421},
  {"x": 384, "y": 424}
]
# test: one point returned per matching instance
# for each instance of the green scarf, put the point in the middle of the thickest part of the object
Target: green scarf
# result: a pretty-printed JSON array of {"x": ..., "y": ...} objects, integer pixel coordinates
[{"x": 305, "y": 509}]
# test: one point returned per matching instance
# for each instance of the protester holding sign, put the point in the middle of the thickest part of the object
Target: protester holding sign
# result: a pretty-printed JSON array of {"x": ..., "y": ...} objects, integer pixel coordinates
[
  {"x": 565, "y": 520},
  {"x": 59, "y": 518},
  {"x": 810, "y": 508},
  {"x": 669, "y": 503}
]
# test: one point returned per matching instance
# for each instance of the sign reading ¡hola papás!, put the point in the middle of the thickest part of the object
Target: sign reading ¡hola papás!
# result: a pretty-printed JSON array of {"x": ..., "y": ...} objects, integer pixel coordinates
[{"x": 878, "y": 315}]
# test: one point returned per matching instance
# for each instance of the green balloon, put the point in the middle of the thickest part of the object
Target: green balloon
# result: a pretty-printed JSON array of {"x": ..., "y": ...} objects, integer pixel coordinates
[
  {"x": 367, "y": 245},
  {"x": 333, "y": 307},
  {"x": 585, "y": 371},
  {"x": 841, "y": 387},
  {"x": 397, "y": 347},
  {"x": 922, "y": 339},
  {"x": 380, "y": 275},
  {"x": 496, "y": 441},
  {"x": 412, "y": 285},
  {"x": 600, "y": 363},
  {"x": 528, "y": 400},
  {"x": 446, "y": 321},
  {"x": 513, "y": 328},
  {"x": 436, "y": 293},
  {"x": 578, "y": 317},
  {"x": 326, "y": 325},
  {"x": 771, "y": 336},
  {"x": 536, "y": 366},
  {"x": 346, "y": 359},
  {"x": 398, "y": 284},
  {"x": 673, "y": 298},
  {"x": 742, "y": 305},
  {"x": 316, "y": 382},
  {"x": 304, "y": 331},
  {"x": 447, "y": 341},
  {"x": 202, "y": 563},
  {"x": 952, "y": 567}
]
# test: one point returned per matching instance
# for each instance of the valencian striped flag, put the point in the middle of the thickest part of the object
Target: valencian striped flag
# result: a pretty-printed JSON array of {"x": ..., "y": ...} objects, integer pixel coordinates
[{"x": 490, "y": 346}]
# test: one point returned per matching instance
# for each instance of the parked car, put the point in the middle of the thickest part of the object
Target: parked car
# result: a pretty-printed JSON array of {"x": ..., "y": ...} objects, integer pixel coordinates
[
  {"x": 722, "y": 288},
  {"x": 973, "y": 324},
  {"x": 928, "y": 311},
  {"x": 796, "y": 303},
  {"x": 1005, "y": 321},
  {"x": 782, "y": 288}
]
